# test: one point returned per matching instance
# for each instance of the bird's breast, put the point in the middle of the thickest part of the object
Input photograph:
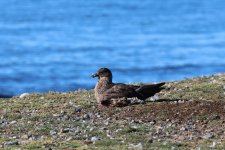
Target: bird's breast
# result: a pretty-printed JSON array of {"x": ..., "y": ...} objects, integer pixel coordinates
[{"x": 100, "y": 88}]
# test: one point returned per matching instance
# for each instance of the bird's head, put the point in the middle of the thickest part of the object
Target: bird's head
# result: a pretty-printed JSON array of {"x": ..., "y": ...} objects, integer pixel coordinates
[{"x": 103, "y": 72}]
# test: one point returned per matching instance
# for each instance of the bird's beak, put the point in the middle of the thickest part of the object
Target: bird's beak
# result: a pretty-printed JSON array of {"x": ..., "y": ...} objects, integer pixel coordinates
[{"x": 94, "y": 75}]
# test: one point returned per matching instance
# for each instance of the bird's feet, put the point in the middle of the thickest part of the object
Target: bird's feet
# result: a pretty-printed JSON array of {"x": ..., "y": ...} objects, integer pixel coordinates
[{"x": 119, "y": 102}]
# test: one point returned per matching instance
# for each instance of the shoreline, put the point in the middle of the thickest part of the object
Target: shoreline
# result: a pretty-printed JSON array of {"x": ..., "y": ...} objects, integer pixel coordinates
[{"x": 80, "y": 89}]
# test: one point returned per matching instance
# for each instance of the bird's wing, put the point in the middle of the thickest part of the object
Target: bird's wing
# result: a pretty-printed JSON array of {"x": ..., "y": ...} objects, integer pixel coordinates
[
  {"x": 120, "y": 90},
  {"x": 149, "y": 90}
]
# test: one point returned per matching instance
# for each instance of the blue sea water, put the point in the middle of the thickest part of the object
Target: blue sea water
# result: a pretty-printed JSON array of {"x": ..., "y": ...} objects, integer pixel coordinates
[{"x": 48, "y": 45}]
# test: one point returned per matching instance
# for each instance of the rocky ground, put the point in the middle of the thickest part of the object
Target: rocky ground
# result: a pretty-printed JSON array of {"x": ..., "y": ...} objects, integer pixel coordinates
[{"x": 189, "y": 114}]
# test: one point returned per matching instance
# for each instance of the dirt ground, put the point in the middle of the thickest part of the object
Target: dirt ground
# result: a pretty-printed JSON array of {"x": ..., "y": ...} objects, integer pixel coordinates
[{"x": 182, "y": 111}]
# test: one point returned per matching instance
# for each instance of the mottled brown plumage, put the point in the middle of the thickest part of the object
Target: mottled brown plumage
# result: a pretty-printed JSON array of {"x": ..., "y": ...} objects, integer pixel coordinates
[{"x": 117, "y": 94}]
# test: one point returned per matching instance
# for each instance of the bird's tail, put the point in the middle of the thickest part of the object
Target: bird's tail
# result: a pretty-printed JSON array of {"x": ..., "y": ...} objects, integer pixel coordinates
[{"x": 149, "y": 90}]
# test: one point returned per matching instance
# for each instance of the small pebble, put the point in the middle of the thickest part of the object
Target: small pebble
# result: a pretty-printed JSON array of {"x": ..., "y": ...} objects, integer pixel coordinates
[
  {"x": 183, "y": 129},
  {"x": 66, "y": 130},
  {"x": 77, "y": 110},
  {"x": 86, "y": 116},
  {"x": 53, "y": 132},
  {"x": 208, "y": 136},
  {"x": 213, "y": 145},
  {"x": 3, "y": 123},
  {"x": 25, "y": 136},
  {"x": 12, "y": 122},
  {"x": 133, "y": 146},
  {"x": 152, "y": 122},
  {"x": 154, "y": 98},
  {"x": 94, "y": 139}
]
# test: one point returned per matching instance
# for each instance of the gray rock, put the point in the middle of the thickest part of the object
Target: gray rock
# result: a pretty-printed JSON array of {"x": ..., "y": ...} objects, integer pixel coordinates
[
  {"x": 56, "y": 115},
  {"x": 25, "y": 136},
  {"x": 135, "y": 101},
  {"x": 183, "y": 129},
  {"x": 91, "y": 115},
  {"x": 133, "y": 146},
  {"x": 153, "y": 122},
  {"x": 208, "y": 136},
  {"x": 181, "y": 138},
  {"x": 69, "y": 138},
  {"x": 215, "y": 117},
  {"x": 66, "y": 130},
  {"x": 173, "y": 148},
  {"x": 12, "y": 143},
  {"x": 66, "y": 117},
  {"x": 34, "y": 137},
  {"x": 53, "y": 132},
  {"x": 24, "y": 95},
  {"x": 106, "y": 122},
  {"x": 3, "y": 123},
  {"x": 86, "y": 116},
  {"x": 213, "y": 145},
  {"x": 13, "y": 122},
  {"x": 154, "y": 98},
  {"x": 94, "y": 139},
  {"x": 77, "y": 109}
]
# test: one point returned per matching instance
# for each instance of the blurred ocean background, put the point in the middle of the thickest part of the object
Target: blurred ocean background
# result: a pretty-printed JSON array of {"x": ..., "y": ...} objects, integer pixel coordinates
[{"x": 55, "y": 45}]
